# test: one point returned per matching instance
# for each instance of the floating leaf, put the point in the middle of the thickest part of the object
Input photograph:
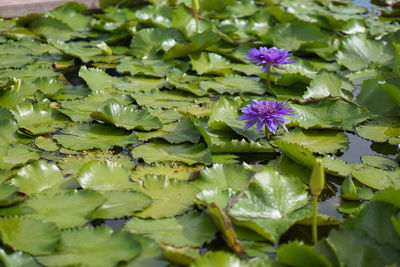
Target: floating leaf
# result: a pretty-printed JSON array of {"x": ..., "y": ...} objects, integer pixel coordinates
[
  {"x": 66, "y": 210},
  {"x": 376, "y": 99},
  {"x": 16, "y": 155},
  {"x": 17, "y": 259},
  {"x": 147, "y": 42},
  {"x": 301, "y": 255},
  {"x": 8, "y": 194},
  {"x": 127, "y": 117},
  {"x": 223, "y": 176},
  {"x": 39, "y": 177},
  {"x": 381, "y": 130},
  {"x": 357, "y": 52},
  {"x": 377, "y": 178},
  {"x": 210, "y": 63},
  {"x": 104, "y": 176},
  {"x": 170, "y": 197},
  {"x": 327, "y": 84},
  {"x": 290, "y": 36},
  {"x": 87, "y": 136},
  {"x": 161, "y": 151},
  {"x": 36, "y": 119},
  {"x": 177, "y": 132},
  {"x": 217, "y": 258},
  {"x": 190, "y": 229},
  {"x": 99, "y": 246},
  {"x": 46, "y": 143},
  {"x": 380, "y": 162},
  {"x": 233, "y": 85},
  {"x": 171, "y": 170},
  {"x": 335, "y": 113},
  {"x": 120, "y": 204},
  {"x": 270, "y": 203},
  {"x": 30, "y": 235},
  {"x": 156, "y": 68},
  {"x": 318, "y": 141}
]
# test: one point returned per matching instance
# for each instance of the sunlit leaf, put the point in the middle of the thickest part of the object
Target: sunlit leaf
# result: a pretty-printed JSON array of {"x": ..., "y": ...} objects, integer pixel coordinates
[
  {"x": 99, "y": 246},
  {"x": 127, "y": 117},
  {"x": 39, "y": 177},
  {"x": 170, "y": 197},
  {"x": 190, "y": 229},
  {"x": 104, "y": 176},
  {"x": 66, "y": 210},
  {"x": 89, "y": 136},
  {"x": 161, "y": 151},
  {"x": 30, "y": 235}
]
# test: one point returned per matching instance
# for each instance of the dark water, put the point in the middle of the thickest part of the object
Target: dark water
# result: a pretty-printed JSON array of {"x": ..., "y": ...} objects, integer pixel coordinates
[{"x": 364, "y": 3}]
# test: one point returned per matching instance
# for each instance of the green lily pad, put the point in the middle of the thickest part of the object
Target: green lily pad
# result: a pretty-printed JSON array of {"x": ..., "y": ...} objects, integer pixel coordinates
[
  {"x": 170, "y": 197},
  {"x": 51, "y": 28},
  {"x": 8, "y": 194},
  {"x": 357, "y": 52},
  {"x": 99, "y": 246},
  {"x": 217, "y": 258},
  {"x": 155, "y": 68},
  {"x": 73, "y": 19},
  {"x": 8, "y": 131},
  {"x": 17, "y": 259},
  {"x": 66, "y": 210},
  {"x": 301, "y": 255},
  {"x": 171, "y": 170},
  {"x": 29, "y": 235},
  {"x": 190, "y": 229},
  {"x": 176, "y": 132},
  {"x": 46, "y": 143},
  {"x": 317, "y": 141},
  {"x": 104, "y": 176},
  {"x": 381, "y": 130},
  {"x": 270, "y": 203},
  {"x": 377, "y": 178},
  {"x": 16, "y": 155},
  {"x": 37, "y": 119},
  {"x": 39, "y": 177},
  {"x": 127, "y": 117},
  {"x": 87, "y": 136},
  {"x": 82, "y": 50},
  {"x": 223, "y": 176},
  {"x": 159, "y": 16},
  {"x": 210, "y": 63},
  {"x": 380, "y": 162},
  {"x": 147, "y": 42},
  {"x": 334, "y": 114},
  {"x": 161, "y": 151},
  {"x": 120, "y": 204},
  {"x": 292, "y": 35},
  {"x": 185, "y": 82},
  {"x": 233, "y": 84},
  {"x": 297, "y": 152},
  {"x": 378, "y": 100},
  {"x": 327, "y": 84}
]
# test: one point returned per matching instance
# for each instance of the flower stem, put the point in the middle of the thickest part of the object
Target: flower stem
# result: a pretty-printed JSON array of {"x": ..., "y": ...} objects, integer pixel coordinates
[
  {"x": 268, "y": 78},
  {"x": 314, "y": 219},
  {"x": 196, "y": 9},
  {"x": 266, "y": 132}
]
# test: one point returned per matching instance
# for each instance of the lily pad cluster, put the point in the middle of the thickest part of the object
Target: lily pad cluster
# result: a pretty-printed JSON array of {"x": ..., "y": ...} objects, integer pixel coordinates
[{"x": 127, "y": 117}]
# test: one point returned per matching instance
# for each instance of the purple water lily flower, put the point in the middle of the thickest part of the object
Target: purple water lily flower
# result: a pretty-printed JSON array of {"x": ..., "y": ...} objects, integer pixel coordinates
[
  {"x": 268, "y": 57},
  {"x": 268, "y": 113}
]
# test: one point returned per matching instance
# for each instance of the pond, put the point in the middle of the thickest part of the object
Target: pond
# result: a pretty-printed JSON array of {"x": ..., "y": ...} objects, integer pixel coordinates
[{"x": 201, "y": 133}]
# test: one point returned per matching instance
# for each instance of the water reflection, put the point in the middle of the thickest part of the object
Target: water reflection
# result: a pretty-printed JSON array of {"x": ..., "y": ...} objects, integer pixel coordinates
[{"x": 358, "y": 147}]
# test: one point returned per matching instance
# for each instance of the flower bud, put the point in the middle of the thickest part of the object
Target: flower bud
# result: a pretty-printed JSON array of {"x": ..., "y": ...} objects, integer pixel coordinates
[{"x": 317, "y": 181}]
